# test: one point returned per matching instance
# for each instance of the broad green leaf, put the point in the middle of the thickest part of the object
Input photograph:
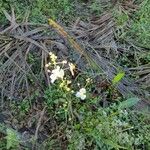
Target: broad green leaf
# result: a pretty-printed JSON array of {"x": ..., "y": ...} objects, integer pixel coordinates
[
  {"x": 60, "y": 100},
  {"x": 113, "y": 144},
  {"x": 118, "y": 77},
  {"x": 128, "y": 103}
]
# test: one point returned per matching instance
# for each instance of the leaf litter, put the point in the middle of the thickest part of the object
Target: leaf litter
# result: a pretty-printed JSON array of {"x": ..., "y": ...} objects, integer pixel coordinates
[{"x": 94, "y": 42}]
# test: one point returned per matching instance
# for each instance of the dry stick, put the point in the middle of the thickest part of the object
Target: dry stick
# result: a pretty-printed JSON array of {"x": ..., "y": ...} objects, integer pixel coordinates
[
  {"x": 7, "y": 47},
  {"x": 62, "y": 32},
  {"x": 38, "y": 125},
  {"x": 72, "y": 41},
  {"x": 44, "y": 60},
  {"x": 14, "y": 62},
  {"x": 31, "y": 41},
  {"x": 23, "y": 69},
  {"x": 27, "y": 51},
  {"x": 46, "y": 72},
  {"x": 76, "y": 23},
  {"x": 12, "y": 85}
]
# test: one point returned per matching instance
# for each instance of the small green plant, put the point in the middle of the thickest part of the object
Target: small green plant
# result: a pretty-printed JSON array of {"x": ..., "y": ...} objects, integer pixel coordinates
[
  {"x": 96, "y": 7},
  {"x": 24, "y": 106},
  {"x": 121, "y": 18},
  {"x": 140, "y": 25},
  {"x": 55, "y": 9},
  {"x": 39, "y": 9},
  {"x": 110, "y": 128},
  {"x": 61, "y": 94},
  {"x": 102, "y": 128},
  {"x": 12, "y": 140},
  {"x": 20, "y": 109},
  {"x": 2, "y": 144}
]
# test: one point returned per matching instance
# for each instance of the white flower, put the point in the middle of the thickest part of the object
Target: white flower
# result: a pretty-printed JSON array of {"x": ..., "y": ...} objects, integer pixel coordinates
[
  {"x": 57, "y": 73},
  {"x": 81, "y": 93},
  {"x": 53, "y": 78}
]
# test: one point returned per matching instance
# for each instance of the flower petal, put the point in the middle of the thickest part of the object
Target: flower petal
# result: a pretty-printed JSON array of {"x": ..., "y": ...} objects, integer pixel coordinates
[
  {"x": 82, "y": 90},
  {"x": 53, "y": 78},
  {"x": 83, "y": 97},
  {"x": 61, "y": 73},
  {"x": 78, "y": 94}
]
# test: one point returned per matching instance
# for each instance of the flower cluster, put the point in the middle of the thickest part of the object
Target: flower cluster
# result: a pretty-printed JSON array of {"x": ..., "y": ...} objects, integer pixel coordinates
[
  {"x": 57, "y": 72},
  {"x": 81, "y": 93}
]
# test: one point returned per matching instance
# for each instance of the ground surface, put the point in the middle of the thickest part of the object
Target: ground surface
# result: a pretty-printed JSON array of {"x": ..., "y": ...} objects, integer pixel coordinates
[{"x": 75, "y": 74}]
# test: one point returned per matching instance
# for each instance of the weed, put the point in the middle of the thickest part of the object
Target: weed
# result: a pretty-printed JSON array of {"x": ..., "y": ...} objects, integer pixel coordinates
[
  {"x": 2, "y": 144},
  {"x": 97, "y": 6},
  {"x": 140, "y": 26},
  {"x": 135, "y": 26},
  {"x": 40, "y": 9},
  {"x": 107, "y": 129},
  {"x": 88, "y": 128},
  {"x": 20, "y": 109},
  {"x": 61, "y": 94},
  {"x": 79, "y": 119},
  {"x": 12, "y": 139}
]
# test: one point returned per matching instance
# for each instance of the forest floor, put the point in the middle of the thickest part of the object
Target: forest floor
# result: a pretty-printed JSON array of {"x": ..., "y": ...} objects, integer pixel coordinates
[{"x": 75, "y": 75}]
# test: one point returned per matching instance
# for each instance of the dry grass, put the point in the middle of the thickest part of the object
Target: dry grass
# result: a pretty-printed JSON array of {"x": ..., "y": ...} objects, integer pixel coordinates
[
  {"x": 93, "y": 41},
  {"x": 17, "y": 42}
]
